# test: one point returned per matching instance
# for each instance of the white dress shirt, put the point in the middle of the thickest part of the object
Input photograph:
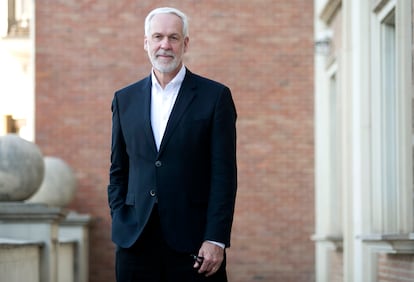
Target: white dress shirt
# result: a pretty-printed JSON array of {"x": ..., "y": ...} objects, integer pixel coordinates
[{"x": 162, "y": 102}]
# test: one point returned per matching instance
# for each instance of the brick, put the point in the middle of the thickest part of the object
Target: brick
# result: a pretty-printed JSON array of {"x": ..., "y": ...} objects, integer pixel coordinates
[{"x": 263, "y": 50}]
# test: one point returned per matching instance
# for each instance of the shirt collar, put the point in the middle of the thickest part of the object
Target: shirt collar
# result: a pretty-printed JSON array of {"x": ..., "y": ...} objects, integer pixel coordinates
[{"x": 176, "y": 81}]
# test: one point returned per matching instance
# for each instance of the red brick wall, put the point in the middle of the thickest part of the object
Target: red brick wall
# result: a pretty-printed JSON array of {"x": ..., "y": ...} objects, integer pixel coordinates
[
  {"x": 263, "y": 50},
  {"x": 336, "y": 265},
  {"x": 395, "y": 268}
]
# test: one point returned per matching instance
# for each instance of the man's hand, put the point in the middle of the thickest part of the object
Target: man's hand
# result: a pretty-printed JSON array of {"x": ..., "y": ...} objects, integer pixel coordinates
[{"x": 212, "y": 257}]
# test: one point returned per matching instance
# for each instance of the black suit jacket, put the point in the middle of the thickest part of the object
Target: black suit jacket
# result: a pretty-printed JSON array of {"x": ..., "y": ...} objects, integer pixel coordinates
[{"x": 193, "y": 176}]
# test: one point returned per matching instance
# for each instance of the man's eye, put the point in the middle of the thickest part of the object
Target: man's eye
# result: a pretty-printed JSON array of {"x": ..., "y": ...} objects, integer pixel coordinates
[{"x": 157, "y": 37}]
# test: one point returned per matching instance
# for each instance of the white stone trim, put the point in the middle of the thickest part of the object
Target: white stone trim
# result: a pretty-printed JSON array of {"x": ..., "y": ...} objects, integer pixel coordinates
[{"x": 390, "y": 243}]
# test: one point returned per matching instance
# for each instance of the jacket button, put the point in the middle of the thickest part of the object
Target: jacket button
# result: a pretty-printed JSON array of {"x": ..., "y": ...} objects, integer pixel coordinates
[
  {"x": 152, "y": 193},
  {"x": 158, "y": 163}
]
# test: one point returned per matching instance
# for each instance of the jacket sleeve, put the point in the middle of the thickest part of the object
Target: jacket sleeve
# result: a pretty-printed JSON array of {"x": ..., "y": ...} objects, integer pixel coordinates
[
  {"x": 224, "y": 170},
  {"x": 118, "y": 173}
]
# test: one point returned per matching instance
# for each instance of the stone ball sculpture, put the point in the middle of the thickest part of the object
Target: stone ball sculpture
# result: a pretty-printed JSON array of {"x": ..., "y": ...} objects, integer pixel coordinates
[
  {"x": 21, "y": 168},
  {"x": 59, "y": 184}
]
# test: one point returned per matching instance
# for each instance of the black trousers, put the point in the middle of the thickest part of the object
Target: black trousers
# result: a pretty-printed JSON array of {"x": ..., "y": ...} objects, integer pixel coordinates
[{"x": 150, "y": 259}]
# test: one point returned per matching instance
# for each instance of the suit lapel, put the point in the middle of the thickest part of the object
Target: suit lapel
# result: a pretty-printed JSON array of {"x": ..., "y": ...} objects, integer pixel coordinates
[
  {"x": 184, "y": 98},
  {"x": 146, "y": 114}
]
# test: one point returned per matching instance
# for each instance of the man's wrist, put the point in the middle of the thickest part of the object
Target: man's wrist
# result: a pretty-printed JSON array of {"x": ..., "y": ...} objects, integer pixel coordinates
[{"x": 221, "y": 245}]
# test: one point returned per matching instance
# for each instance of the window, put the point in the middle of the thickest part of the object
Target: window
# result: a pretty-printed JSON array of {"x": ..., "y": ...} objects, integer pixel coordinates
[
  {"x": 391, "y": 155},
  {"x": 389, "y": 121},
  {"x": 15, "y": 18}
]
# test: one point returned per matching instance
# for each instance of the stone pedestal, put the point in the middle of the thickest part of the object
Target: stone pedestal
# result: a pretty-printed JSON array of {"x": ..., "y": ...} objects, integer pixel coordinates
[
  {"x": 75, "y": 228},
  {"x": 34, "y": 222},
  {"x": 19, "y": 260},
  {"x": 61, "y": 238}
]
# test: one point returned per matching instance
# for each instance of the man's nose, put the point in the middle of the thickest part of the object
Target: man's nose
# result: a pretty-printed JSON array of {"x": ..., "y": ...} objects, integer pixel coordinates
[{"x": 165, "y": 43}]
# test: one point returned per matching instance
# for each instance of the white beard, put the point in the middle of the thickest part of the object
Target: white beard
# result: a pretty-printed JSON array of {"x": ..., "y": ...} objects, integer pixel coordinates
[{"x": 164, "y": 67}]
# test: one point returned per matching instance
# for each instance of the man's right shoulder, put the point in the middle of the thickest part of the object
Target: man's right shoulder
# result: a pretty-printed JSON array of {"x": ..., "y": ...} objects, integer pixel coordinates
[{"x": 135, "y": 87}]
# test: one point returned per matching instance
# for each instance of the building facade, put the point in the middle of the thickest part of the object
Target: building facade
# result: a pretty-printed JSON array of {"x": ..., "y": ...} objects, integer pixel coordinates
[
  {"x": 364, "y": 140},
  {"x": 84, "y": 50}
]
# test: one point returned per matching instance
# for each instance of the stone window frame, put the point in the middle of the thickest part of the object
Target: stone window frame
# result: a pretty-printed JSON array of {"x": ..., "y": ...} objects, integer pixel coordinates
[{"x": 391, "y": 192}]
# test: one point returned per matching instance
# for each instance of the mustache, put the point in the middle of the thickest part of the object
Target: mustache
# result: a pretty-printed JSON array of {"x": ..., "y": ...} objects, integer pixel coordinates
[{"x": 165, "y": 53}]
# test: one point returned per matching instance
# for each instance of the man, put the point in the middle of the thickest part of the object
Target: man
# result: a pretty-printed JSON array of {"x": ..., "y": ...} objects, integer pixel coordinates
[{"x": 173, "y": 173}]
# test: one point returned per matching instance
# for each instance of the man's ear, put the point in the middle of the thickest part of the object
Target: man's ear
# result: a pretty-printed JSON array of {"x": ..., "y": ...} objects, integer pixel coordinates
[
  {"x": 186, "y": 42},
  {"x": 145, "y": 44}
]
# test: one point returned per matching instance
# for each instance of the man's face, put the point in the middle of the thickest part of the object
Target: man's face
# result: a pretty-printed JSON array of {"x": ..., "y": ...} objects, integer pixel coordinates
[{"x": 166, "y": 43}]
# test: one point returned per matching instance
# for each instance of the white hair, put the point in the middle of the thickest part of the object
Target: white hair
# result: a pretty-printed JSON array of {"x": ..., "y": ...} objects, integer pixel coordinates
[{"x": 166, "y": 10}]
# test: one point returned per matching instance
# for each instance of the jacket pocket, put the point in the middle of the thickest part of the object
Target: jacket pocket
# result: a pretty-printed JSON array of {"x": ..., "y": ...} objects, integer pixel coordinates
[{"x": 130, "y": 199}]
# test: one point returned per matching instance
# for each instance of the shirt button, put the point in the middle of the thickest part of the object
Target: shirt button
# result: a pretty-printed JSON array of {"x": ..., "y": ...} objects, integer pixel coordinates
[
  {"x": 158, "y": 163},
  {"x": 152, "y": 193}
]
